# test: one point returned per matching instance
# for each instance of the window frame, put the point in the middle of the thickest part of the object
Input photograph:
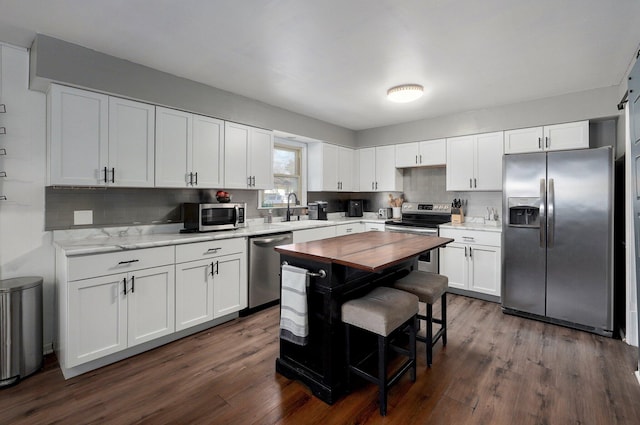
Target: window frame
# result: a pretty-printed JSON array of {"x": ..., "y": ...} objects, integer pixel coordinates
[{"x": 302, "y": 197}]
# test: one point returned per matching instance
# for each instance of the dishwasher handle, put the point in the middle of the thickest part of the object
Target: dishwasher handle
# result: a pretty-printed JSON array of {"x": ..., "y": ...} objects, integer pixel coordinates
[{"x": 269, "y": 242}]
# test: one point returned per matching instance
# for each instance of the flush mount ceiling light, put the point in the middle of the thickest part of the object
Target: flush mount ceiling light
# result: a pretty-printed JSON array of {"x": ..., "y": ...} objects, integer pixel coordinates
[{"x": 405, "y": 93}]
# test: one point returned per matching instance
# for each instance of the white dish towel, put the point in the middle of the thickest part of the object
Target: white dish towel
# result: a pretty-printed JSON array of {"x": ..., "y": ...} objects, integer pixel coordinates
[{"x": 294, "y": 322}]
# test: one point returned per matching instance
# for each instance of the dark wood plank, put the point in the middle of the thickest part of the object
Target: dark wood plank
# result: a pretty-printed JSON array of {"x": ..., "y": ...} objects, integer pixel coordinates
[
  {"x": 369, "y": 251},
  {"x": 496, "y": 369}
]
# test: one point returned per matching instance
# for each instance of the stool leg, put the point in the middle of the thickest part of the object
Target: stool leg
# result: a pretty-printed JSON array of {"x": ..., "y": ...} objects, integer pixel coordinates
[
  {"x": 429, "y": 342},
  {"x": 347, "y": 347},
  {"x": 412, "y": 346},
  {"x": 444, "y": 319},
  {"x": 382, "y": 374}
]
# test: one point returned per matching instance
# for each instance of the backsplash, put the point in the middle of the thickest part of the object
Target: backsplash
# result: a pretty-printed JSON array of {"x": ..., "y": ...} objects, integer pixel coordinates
[{"x": 143, "y": 206}]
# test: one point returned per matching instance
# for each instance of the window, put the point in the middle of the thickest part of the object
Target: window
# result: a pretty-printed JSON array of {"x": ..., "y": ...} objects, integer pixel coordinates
[{"x": 289, "y": 160}]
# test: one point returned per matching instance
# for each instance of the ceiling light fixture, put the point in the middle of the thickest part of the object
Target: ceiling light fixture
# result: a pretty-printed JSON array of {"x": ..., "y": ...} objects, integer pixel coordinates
[{"x": 405, "y": 93}]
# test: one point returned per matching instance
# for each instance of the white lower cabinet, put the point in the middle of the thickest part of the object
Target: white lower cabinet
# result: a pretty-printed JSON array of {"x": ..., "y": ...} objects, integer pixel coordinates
[
  {"x": 347, "y": 229},
  {"x": 110, "y": 304},
  {"x": 368, "y": 227},
  {"x": 211, "y": 281},
  {"x": 318, "y": 233},
  {"x": 109, "y": 313},
  {"x": 473, "y": 261}
]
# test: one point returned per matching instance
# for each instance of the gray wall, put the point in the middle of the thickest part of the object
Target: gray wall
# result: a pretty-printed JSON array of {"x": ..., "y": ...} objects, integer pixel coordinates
[
  {"x": 54, "y": 60},
  {"x": 592, "y": 104}
]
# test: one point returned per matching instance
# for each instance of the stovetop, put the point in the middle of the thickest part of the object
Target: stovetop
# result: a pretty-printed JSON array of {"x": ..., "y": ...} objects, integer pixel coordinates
[{"x": 423, "y": 214}]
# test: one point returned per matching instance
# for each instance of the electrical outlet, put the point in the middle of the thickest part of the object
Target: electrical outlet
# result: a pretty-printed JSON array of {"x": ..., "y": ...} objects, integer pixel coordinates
[{"x": 82, "y": 217}]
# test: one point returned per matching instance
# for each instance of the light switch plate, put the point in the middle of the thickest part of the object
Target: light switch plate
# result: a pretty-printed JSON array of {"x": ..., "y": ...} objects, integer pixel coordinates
[{"x": 82, "y": 217}]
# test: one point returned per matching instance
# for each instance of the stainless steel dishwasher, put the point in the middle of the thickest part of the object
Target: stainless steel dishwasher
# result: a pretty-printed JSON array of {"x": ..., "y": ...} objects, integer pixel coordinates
[{"x": 264, "y": 268}]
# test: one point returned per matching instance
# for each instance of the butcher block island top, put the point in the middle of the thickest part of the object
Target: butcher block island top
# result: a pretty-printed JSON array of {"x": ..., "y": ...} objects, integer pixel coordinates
[{"x": 369, "y": 251}]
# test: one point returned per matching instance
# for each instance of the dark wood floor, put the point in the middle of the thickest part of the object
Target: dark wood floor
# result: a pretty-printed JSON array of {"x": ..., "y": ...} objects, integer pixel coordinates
[{"x": 496, "y": 369}]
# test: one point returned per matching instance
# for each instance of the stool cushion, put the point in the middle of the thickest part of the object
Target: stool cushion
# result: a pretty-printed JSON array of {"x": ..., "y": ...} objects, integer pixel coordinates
[
  {"x": 429, "y": 287},
  {"x": 381, "y": 311}
]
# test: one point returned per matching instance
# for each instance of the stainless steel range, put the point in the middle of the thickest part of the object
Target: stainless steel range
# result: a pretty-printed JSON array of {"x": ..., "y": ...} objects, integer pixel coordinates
[{"x": 422, "y": 218}]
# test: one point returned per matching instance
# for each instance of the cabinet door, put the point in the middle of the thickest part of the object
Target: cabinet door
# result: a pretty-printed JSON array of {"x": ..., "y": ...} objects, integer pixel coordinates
[
  {"x": 367, "y": 169},
  {"x": 194, "y": 293},
  {"x": 206, "y": 161},
  {"x": 460, "y": 163},
  {"x": 131, "y": 143},
  {"x": 407, "y": 155},
  {"x": 97, "y": 321},
  {"x": 488, "y": 164},
  {"x": 236, "y": 143},
  {"x": 173, "y": 145},
  {"x": 329, "y": 167},
  {"x": 150, "y": 299},
  {"x": 485, "y": 269},
  {"x": 432, "y": 152},
  {"x": 573, "y": 135},
  {"x": 453, "y": 264},
  {"x": 523, "y": 140},
  {"x": 261, "y": 158},
  {"x": 229, "y": 285},
  {"x": 78, "y": 136},
  {"x": 388, "y": 177},
  {"x": 346, "y": 166}
]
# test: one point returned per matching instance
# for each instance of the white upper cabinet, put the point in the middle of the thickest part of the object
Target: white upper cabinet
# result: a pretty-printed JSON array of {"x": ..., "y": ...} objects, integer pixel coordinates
[
  {"x": 207, "y": 152},
  {"x": 573, "y": 135},
  {"x": 131, "y": 143},
  {"x": 421, "y": 154},
  {"x": 377, "y": 169},
  {"x": 331, "y": 168},
  {"x": 189, "y": 149},
  {"x": 475, "y": 162},
  {"x": 78, "y": 137},
  {"x": 97, "y": 140},
  {"x": 248, "y": 157}
]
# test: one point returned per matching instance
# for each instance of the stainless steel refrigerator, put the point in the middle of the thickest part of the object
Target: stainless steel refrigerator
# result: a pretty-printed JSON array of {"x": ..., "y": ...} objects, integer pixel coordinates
[{"x": 558, "y": 237}]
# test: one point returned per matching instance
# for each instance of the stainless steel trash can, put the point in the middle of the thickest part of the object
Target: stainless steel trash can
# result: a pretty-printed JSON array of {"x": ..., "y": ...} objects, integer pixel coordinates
[{"x": 20, "y": 328}]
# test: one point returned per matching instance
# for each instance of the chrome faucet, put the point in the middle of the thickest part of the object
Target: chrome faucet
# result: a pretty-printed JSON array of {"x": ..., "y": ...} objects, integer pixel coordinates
[{"x": 288, "y": 206}]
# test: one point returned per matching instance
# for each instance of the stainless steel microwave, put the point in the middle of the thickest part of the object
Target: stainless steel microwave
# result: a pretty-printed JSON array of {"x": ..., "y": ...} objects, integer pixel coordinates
[{"x": 211, "y": 217}]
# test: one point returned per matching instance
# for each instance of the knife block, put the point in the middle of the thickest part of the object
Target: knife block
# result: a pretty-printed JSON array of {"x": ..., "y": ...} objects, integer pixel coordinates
[{"x": 457, "y": 216}]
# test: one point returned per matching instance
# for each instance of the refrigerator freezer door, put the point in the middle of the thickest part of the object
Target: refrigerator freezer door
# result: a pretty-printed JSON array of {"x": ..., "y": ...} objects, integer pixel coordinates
[
  {"x": 523, "y": 277},
  {"x": 579, "y": 256}
]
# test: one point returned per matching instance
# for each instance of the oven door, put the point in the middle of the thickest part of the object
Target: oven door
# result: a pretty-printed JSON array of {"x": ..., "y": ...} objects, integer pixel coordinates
[{"x": 428, "y": 261}]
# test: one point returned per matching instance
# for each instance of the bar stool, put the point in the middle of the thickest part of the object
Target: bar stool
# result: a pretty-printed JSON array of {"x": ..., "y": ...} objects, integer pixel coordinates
[
  {"x": 385, "y": 312},
  {"x": 428, "y": 287}
]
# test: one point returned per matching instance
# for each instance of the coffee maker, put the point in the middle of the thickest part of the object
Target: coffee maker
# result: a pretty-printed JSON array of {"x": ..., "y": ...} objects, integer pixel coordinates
[{"x": 318, "y": 210}]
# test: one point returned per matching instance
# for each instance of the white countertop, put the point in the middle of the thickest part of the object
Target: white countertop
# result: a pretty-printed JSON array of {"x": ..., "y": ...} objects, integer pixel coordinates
[
  {"x": 93, "y": 241},
  {"x": 489, "y": 226}
]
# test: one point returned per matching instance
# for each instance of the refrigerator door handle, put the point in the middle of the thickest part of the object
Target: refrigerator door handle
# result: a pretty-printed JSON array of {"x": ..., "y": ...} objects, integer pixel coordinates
[
  {"x": 551, "y": 219},
  {"x": 542, "y": 213}
]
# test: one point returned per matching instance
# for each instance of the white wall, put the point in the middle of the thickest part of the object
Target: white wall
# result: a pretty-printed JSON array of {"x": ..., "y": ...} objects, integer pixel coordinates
[{"x": 25, "y": 248}]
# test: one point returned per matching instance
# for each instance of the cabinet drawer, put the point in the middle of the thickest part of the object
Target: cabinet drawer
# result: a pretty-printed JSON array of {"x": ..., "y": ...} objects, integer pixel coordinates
[
  {"x": 200, "y": 250},
  {"x": 472, "y": 236},
  {"x": 86, "y": 266}
]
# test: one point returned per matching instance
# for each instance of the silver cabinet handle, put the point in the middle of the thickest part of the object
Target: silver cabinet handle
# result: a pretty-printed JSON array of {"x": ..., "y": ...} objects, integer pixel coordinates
[
  {"x": 470, "y": 252},
  {"x": 371, "y": 185},
  {"x": 470, "y": 183},
  {"x": 546, "y": 142},
  {"x": 133, "y": 284},
  {"x": 469, "y": 238},
  {"x": 213, "y": 250},
  {"x": 539, "y": 142},
  {"x": 376, "y": 185},
  {"x": 113, "y": 175},
  {"x": 465, "y": 252},
  {"x": 475, "y": 183},
  {"x": 106, "y": 178},
  {"x": 124, "y": 285},
  {"x": 420, "y": 158}
]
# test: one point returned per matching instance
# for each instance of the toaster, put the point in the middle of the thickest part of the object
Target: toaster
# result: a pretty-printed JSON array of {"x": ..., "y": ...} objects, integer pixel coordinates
[{"x": 385, "y": 213}]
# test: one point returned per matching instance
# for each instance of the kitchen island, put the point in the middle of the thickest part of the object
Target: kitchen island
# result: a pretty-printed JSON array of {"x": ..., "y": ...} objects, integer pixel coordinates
[{"x": 340, "y": 269}]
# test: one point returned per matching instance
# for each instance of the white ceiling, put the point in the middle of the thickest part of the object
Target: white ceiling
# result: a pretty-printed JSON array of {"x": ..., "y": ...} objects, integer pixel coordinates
[{"x": 335, "y": 59}]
